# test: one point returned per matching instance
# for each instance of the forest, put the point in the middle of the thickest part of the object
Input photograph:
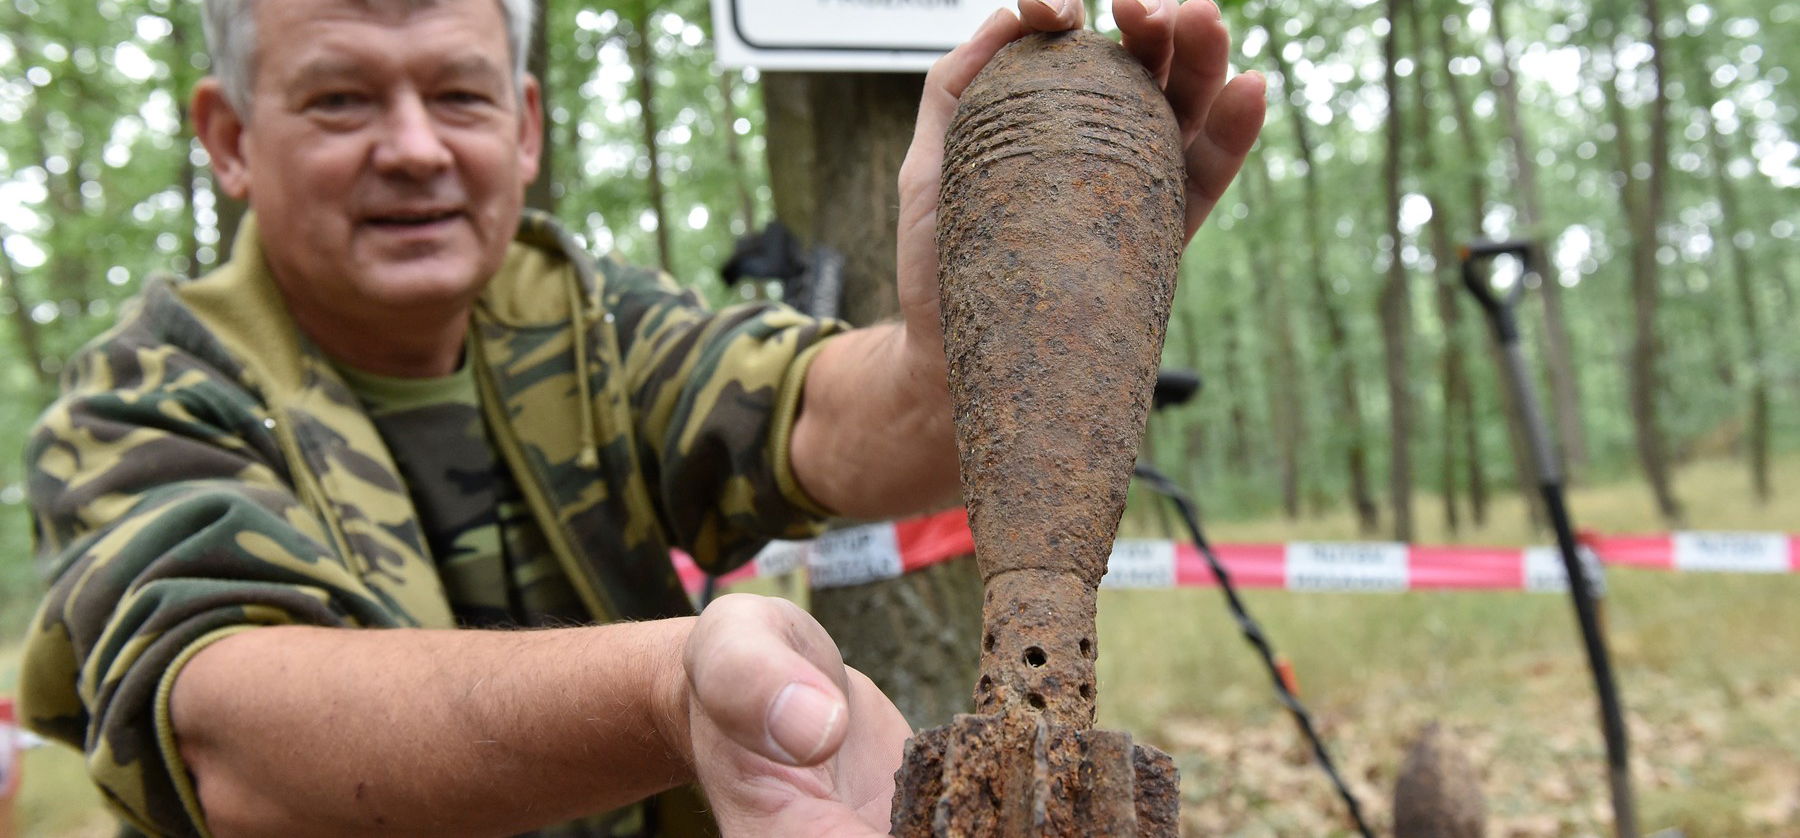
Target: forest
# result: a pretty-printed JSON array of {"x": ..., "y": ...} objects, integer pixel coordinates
[{"x": 1645, "y": 149}]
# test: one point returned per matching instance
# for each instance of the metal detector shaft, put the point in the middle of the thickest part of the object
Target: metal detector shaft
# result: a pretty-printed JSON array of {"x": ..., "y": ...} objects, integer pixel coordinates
[{"x": 1500, "y": 315}]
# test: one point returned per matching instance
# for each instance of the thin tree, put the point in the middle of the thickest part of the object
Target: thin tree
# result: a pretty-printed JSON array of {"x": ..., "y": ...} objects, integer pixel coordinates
[
  {"x": 25, "y": 329},
  {"x": 1558, "y": 347},
  {"x": 1524, "y": 469},
  {"x": 740, "y": 173},
  {"x": 1395, "y": 301},
  {"x": 1644, "y": 197},
  {"x": 1727, "y": 237},
  {"x": 541, "y": 192},
  {"x": 1287, "y": 413},
  {"x": 1344, "y": 371},
  {"x": 643, "y": 66},
  {"x": 1237, "y": 441},
  {"x": 1458, "y": 413}
]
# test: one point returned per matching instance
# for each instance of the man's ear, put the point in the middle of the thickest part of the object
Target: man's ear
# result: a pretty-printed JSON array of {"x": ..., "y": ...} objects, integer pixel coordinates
[
  {"x": 531, "y": 129},
  {"x": 221, "y": 130}
]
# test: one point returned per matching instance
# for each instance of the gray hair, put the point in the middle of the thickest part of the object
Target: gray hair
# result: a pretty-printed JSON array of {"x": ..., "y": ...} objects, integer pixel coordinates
[{"x": 231, "y": 41}]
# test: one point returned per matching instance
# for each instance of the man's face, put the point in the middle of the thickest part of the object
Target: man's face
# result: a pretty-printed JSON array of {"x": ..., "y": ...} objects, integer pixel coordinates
[{"x": 386, "y": 152}]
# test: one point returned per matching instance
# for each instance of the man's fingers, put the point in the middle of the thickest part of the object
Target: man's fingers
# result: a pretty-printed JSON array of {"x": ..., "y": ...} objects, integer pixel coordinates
[
  {"x": 1148, "y": 30},
  {"x": 1202, "y": 53},
  {"x": 770, "y": 678},
  {"x": 1052, "y": 15},
  {"x": 947, "y": 80},
  {"x": 1215, "y": 156}
]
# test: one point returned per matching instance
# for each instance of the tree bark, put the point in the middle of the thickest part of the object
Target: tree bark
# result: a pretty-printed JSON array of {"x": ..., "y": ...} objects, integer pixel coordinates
[
  {"x": 835, "y": 146},
  {"x": 1644, "y": 207},
  {"x": 1396, "y": 302},
  {"x": 1558, "y": 346},
  {"x": 643, "y": 65},
  {"x": 1343, "y": 369},
  {"x": 1755, "y": 360}
]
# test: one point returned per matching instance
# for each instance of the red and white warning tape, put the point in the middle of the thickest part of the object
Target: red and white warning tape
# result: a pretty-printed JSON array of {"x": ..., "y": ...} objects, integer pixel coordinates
[{"x": 873, "y": 552}]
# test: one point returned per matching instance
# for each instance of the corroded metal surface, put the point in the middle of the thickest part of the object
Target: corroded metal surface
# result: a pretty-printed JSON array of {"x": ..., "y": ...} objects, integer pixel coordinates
[{"x": 1059, "y": 234}]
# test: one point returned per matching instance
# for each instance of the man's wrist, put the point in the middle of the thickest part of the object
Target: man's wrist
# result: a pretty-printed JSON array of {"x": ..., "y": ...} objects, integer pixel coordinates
[{"x": 671, "y": 696}]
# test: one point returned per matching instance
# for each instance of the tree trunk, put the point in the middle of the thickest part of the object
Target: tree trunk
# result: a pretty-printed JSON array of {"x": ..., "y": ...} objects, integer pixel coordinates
[
  {"x": 1743, "y": 282},
  {"x": 25, "y": 329},
  {"x": 1396, "y": 303},
  {"x": 541, "y": 192},
  {"x": 1287, "y": 413},
  {"x": 1558, "y": 347},
  {"x": 1443, "y": 250},
  {"x": 643, "y": 66},
  {"x": 1193, "y": 437},
  {"x": 841, "y": 138},
  {"x": 185, "y": 137},
  {"x": 1644, "y": 202},
  {"x": 1287, "y": 417},
  {"x": 1344, "y": 370},
  {"x": 1524, "y": 467},
  {"x": 1237, "y": 446},
  {"x": 740, "y": 175}
]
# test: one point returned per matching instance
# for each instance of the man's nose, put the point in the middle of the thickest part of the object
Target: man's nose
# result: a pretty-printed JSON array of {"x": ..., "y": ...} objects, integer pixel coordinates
[{"x": 412, "y": 145}]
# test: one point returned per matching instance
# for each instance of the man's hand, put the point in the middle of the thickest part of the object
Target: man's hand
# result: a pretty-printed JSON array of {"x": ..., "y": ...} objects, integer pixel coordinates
[
  {"x": 874, "y": 438},
  {"x": 787, "y": 740},
  {"x": 1185, "y": 48}
]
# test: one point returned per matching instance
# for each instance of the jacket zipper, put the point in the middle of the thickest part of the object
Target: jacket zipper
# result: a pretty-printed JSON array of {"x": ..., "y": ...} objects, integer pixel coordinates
[
  {"x": 561, "y": 544},
  {"x": 310, "y": 486}
]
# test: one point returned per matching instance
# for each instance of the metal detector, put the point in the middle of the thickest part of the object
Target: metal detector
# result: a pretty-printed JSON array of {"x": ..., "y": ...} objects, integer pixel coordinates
[{"x": 1501, "y": 315}]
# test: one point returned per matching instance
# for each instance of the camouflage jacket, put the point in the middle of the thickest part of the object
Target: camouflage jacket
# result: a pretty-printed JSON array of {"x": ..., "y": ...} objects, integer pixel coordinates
[{"x": 206, "y": 471}]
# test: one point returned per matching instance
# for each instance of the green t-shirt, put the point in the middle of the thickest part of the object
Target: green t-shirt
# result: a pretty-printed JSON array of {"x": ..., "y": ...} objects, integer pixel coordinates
[{"x": 497, "y": 570}]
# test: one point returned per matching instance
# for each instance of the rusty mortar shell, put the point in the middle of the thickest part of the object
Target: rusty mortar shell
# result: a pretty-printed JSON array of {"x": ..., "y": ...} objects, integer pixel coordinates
[{"x": 1059, "y": 235}]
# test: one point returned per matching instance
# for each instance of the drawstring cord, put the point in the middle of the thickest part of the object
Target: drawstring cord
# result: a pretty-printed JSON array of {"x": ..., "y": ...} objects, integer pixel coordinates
[{"x": 585, "y": 311}]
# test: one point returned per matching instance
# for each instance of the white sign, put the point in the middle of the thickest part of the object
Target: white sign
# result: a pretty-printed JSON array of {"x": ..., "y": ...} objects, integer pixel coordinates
[
  {"x": 1138, "y": 563},
  {"x": 854, "y": 556},
  {"x": 1544, "y": 570},
  {"x": 1737, "y": 552},
  {"x": 1348, "y": 566},
  {"x": 896, "y": 36},
  {"x": 780, "y": 557}
]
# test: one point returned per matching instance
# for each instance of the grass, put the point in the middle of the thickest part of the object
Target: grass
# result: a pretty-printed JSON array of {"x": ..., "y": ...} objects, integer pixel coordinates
[{"x": 1705, "y": 662}]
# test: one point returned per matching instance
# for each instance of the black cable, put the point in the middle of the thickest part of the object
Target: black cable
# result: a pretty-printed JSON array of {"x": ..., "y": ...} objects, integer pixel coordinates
[{"x": 1253, "y": 633}]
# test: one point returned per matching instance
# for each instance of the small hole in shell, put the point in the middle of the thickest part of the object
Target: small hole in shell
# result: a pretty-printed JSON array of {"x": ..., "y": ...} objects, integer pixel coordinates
[
  {"x": 1035, "y": 700},
  {"x": 1035, "y": 656},
  {"x": 1087, "y": 647}
]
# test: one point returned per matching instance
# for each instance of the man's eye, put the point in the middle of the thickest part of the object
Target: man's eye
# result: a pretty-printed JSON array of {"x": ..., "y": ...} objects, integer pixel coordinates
[
  {"x": 336, "y": 101},
  {"x": 464, "y": 97}
]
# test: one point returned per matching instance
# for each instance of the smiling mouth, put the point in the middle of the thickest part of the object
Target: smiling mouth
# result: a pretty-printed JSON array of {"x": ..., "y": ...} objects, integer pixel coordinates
[{"x": 412, "y": 220}]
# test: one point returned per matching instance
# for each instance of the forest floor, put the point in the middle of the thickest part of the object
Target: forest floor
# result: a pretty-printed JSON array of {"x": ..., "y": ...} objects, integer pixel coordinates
[{"x": 1706, "y": 664}]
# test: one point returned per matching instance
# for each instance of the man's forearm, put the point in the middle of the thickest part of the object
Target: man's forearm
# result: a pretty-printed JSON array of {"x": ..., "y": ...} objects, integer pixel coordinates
[
  {"x": 874, "y": 438},
  {"x": 300, "y": 730}
]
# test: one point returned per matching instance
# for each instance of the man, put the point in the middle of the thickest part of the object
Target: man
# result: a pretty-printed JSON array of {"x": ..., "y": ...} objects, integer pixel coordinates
[{"x": 402, "y": 407}]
